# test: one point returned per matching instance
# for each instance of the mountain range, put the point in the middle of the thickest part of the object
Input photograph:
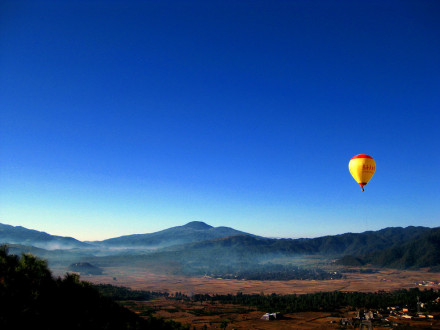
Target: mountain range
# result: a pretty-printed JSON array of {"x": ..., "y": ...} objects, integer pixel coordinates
[{"x": 197, "y": 244}]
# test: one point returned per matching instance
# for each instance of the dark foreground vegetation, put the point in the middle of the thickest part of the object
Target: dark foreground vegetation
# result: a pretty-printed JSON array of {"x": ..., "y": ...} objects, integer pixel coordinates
[{"x": 31, "y": 298}]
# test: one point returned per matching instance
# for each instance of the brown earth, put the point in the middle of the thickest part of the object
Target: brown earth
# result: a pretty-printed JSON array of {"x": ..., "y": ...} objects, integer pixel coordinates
[
  {"x": 215, "y": 316},
  {"x": 385, "y": 279}
]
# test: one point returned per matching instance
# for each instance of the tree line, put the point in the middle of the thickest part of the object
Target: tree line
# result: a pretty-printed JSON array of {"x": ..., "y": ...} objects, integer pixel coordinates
[
  {"x": 267, "y": 272},
  {"x": 328, "y": 301},
  {"x": 320, "y": 301}
]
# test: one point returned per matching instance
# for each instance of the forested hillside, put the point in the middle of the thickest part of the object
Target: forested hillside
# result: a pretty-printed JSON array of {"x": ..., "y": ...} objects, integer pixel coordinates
[
  {"x": 348, "y": 243},
  {"x": 423, "y": 251}
]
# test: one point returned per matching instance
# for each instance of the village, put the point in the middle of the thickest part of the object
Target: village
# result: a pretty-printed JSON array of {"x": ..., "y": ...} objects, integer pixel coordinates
[{"x": 391, "y": 317}]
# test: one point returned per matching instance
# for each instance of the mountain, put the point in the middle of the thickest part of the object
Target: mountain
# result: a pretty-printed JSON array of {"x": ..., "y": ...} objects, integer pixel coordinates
[
  {"x": 191, "y": 232},
  {"x": 23, "y": 236},
  {"x": 362, "y": 243}
]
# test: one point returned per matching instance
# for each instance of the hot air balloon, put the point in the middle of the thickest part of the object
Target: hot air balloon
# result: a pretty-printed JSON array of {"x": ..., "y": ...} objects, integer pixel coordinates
[{"x": 362, "y": 168}]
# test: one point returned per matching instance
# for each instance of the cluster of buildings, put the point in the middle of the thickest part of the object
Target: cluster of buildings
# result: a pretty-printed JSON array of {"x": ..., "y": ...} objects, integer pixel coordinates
[
  {"x": 428, "y": 283},
  {"x": 404, "y": 313},
  {"x": 272, "y": 316},
  {"x": 366, "y": 319}
]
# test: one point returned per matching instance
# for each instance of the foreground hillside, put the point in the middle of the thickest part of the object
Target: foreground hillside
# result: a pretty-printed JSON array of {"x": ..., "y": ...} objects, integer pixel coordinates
[{"x": 30, "y": 298}]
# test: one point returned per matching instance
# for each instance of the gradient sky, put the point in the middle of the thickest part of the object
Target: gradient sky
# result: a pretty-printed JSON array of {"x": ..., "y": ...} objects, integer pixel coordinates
[{"x": 123, "y": 117}]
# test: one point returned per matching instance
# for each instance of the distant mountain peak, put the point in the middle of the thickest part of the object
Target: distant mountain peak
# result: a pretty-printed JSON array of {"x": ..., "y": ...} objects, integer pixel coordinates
[
  {"x": 199, "y": 225},
  {"x": 30, "y": 237}
]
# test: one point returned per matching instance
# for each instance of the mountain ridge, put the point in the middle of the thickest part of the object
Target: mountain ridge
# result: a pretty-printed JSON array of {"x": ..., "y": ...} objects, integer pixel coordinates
[
  {"x": 191, "y": 232},
  {"x": 348, "y": 243}
]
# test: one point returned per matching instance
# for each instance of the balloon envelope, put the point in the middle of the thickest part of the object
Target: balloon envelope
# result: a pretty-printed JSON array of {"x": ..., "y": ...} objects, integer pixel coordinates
[{"x": 362, "y": 168}]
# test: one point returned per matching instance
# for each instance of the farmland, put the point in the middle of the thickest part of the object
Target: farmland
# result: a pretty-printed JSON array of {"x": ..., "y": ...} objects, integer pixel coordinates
[
  {"x": 203, "y": 315},
  {"x": 141, "y": 279},
  {"x": 211, "y": 315}
]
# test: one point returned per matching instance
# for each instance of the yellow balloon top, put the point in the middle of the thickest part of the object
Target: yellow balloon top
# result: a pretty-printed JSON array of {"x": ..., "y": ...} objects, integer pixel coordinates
[{"x": 362, "y": 168}]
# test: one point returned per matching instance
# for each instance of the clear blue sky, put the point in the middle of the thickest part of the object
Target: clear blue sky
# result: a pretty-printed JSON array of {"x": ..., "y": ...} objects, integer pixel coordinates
[{"x": 123, "y": 117}]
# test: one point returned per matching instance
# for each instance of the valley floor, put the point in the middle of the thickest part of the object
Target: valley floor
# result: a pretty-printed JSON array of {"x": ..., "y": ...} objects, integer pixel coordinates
[
  {"x": 215, "y": 316},
  {"x": 384, "y": 279},
  {"x": 205, "y": 315}
]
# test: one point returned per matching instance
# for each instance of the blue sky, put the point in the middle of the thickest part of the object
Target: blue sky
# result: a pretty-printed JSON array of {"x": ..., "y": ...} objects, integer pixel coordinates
[{"x": 122, "y": 117}]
